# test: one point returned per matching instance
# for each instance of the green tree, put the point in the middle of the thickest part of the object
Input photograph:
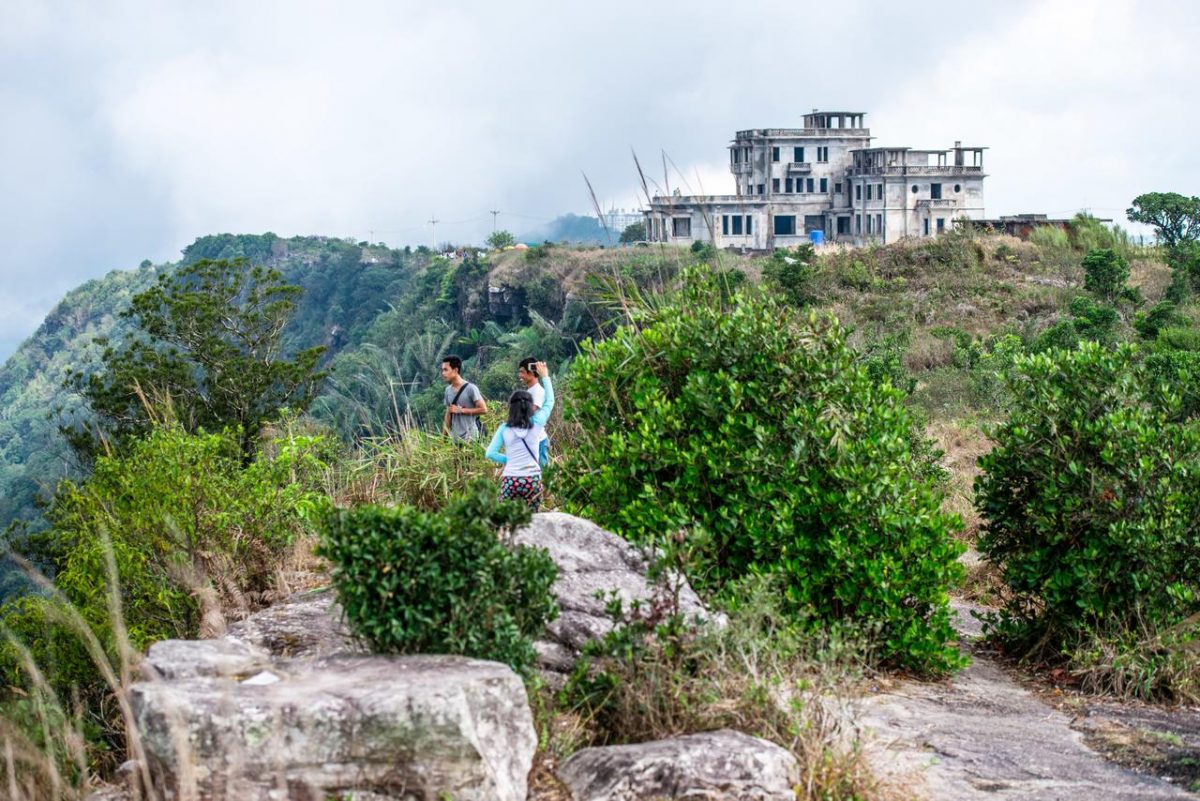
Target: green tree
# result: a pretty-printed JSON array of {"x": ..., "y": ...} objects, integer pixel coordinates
[
  {"x": 499, "y": 240},
  {"x": 760, "y": 439},
  {"x": 1175, "y": 218},
  {"x": 208, "y": 347},
  {"x": 634, "y": 232},
  {"x": 1105, "y": 272}
]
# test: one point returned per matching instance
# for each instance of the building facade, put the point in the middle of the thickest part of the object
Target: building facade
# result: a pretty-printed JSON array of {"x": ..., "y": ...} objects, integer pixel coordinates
[{"x": 825, "y": 177}]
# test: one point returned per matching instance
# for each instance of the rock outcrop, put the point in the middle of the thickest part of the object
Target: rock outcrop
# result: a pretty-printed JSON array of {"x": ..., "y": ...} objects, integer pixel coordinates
[
  {"x": 288, "y": 705},
  {"x": 591, "y": 563},
  {"x": 233, "y": 723},
  {"x": 726, "y": 765}
]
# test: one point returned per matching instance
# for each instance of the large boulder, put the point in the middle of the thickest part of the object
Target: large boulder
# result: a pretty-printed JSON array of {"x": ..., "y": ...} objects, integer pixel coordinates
[
  {"x": 726, "y": 765},
  {"x": 591, "y": 563},
  {"x": 421, "y": 727}
]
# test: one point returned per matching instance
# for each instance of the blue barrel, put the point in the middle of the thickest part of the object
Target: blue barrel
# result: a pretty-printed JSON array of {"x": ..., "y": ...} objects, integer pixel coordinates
[{"x": 816, "y": 237}]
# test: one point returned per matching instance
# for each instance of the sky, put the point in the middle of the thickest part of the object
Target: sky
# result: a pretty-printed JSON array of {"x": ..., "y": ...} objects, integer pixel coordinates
[{"x": 132, "y": 128}]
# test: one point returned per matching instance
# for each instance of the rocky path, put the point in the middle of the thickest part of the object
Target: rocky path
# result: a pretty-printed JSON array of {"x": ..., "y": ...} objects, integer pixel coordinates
[{"x": 981, "y": 735}]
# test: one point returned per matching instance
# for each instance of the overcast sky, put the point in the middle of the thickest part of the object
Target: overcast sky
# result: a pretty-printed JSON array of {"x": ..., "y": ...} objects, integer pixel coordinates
[{"x": 129, "y": 129}]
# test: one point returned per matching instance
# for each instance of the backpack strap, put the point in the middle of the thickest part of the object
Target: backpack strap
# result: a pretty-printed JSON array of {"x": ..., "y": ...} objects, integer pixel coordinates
[
  {"x": 461, "y": 390},
  {"x": 530, "y": 450}
]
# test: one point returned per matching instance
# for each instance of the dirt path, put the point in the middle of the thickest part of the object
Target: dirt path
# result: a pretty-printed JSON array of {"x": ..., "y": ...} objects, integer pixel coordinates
[{"x": 981, "y": 735}]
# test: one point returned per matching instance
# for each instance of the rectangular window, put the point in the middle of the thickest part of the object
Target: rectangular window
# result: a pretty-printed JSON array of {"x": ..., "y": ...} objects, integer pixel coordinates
[
  {"x": 822, "y": 154},
  {"x": 788, "y": 184},
  {"x": 868, "y": 191},
  {"x": 737, "y": 224},
  {"x": 810, "y": 184},
  {"x": 724, "y": 225},
  {"x": 869, "y": 229},
  {"x": 837, "y": 190},
  {"x": 843, "y": 225},
  {"x": 824, "y": 185},
  {"x": 774, "y": 154},
  {"x": 935, "y": 191},
  {"x": 941, "y": 224},
  {"x": 879, "y": 223},
  {"x": 735, "y": 155},
  {"x": 785, "y": 225},
  {"x": 749, "y": 228},
  {"x": 774, "y": 184},
  {"x": 858, "y": 191},
  {"x": 681, "y": 226},
  {"x": 858, "y": 223},
  {"x": 798, "y": 154},
  {"x": 927, "y": 227},
  {"x": 879, "y": 191},
  {"x": 762, "y": 189}
]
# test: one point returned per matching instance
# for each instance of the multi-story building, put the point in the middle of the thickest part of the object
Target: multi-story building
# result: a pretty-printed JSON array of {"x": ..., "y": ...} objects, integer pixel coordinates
[{"x": 825, "y": 177}]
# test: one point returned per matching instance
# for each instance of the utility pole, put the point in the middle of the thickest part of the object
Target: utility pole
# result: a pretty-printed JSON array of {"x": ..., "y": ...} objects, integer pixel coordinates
[
  {"x": 495, "y": 212},
  {"x": 433, "y": 221}
]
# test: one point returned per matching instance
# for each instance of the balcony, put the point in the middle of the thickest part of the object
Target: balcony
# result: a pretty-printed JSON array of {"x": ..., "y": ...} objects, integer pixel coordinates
[
  {"x": 794, "y": 167},
  {"x": 758, "y": 133},
  {"x": 948, "y": 170},
  {"x": 740, "y": 168},
  {"x": 937, "y": 203}
]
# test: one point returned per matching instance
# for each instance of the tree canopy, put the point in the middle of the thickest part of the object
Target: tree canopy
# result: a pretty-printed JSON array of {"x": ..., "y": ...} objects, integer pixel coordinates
[
  {"x": 207, "y": 346},
  {"x": 1175, "y": 218}
]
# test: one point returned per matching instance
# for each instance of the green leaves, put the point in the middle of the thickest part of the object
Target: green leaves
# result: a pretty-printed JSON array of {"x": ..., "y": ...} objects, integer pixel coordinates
[
  {"x": 726, "y": 414},
  {"x": 209, "y": 356},
  {"x": 442, "y": 582},
  {"x": 1089, "y": 500}
]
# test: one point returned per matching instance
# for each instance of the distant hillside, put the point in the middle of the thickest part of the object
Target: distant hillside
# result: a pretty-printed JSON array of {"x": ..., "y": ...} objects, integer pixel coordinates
[{"x": 572, "y": 229}]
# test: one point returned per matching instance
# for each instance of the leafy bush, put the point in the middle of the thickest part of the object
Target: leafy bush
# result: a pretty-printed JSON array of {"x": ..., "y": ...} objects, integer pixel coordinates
[
  {"x": 704, "y": 251},
  {"x": 764, "y": 438},
  {"x": 1159, "y": 316},
  {"x": 1105, "y": 273},
  {"x": 1050, "y": 237},
  {"x": 192, "y": 534},
  {"x": 1090, "y": 320},
  {"x": 792, "y": 272},
  {"x": 443, "y": 582},
  {"x": 1089, "y": 501}
]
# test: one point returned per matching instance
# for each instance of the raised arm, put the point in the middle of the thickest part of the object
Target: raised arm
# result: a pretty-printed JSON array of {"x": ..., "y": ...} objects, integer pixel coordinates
[
  {"x": 493, "y": 451},
  {"x": 543, "y": 414}
]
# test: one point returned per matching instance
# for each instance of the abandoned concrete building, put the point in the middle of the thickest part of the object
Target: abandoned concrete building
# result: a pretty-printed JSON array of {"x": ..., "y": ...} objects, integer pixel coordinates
[{"x": 827, "y": 178}]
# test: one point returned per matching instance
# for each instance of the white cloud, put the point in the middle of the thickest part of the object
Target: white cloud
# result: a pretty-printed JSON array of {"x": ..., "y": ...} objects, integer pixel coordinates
[{"x": 132, "y": 128}]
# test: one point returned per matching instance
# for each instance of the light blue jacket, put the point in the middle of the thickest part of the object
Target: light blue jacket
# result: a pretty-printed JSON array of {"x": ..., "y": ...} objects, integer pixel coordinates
[{"x": 538, "y": 420}]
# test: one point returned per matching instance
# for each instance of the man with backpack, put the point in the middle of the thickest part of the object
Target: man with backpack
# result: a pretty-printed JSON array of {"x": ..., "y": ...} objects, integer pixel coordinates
[{"x": 464, "y": 403}]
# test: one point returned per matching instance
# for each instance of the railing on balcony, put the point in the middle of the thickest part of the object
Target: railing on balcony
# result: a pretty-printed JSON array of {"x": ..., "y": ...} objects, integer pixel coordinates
[
  {"x": 937, "y": 203},
  {"x": 799, "y": 166},
  {"x": 755, "y": 133},
  {"x": 951, "y": 169}
]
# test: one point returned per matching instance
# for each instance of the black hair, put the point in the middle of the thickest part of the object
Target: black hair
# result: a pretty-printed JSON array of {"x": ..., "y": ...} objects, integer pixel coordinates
[
  {"x": 528, "y": 364},
  {"x": 454, "y": 362},
  {"x": 520, "y": 410}
]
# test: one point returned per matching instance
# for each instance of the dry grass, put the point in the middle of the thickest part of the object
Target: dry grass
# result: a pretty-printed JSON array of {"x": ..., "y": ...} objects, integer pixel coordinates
[{"x": 963, "y": 443}]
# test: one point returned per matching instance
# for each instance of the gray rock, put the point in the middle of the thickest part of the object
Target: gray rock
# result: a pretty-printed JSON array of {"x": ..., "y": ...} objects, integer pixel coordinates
[
  {"x": 368, "y": 727},
  {"x": 980, "y": 735},
  {"x": 591, "y": 563},
  {"x": 724, "y": 764},
  {"x": 307, "y": 624},
  {"x": 187, "y": 659}
]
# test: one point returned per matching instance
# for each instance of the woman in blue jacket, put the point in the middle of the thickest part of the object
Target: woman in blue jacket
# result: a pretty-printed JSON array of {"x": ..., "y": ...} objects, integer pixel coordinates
[{"x": 519, "y": 438}]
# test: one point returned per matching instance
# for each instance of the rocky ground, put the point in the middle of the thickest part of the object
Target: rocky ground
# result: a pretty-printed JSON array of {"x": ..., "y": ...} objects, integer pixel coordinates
[{"x": 983, "y": 734}]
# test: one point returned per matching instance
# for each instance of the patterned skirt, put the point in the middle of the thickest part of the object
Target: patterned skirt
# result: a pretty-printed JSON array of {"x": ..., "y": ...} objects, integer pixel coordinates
[{"x": 522, "y": 488}]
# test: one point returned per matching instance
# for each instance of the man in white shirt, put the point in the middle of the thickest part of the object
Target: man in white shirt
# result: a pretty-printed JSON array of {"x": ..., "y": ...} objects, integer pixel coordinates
[{"x": 527, "y": 375}]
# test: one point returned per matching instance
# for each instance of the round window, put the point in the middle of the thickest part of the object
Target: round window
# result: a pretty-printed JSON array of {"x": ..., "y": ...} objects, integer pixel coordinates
[
  {"x": 958, "y": 187},
  {"x": 915, "y": 188}
]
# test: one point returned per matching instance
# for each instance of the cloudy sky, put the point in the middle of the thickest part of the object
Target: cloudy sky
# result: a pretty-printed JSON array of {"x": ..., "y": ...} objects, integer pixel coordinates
[{"x": 131, "y": 128}]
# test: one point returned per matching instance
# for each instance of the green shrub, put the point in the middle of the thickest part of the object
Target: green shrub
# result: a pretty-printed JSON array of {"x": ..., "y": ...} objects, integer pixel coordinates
[
  {"x": 763, "y": 437},
  {"x": 704, "y": 252},
  {"x": 1161, "y": 315},
  {"x": 1105, "y": 273},
  {"x": 1050, "y": 237},
  {"x": 442, "y": 582},
  {"x": 190, "y": 531},
  {"x": 1088, "y": 501},
  {"x": 792, "y": 271},
  {"x": 1183, "y": 338}
]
